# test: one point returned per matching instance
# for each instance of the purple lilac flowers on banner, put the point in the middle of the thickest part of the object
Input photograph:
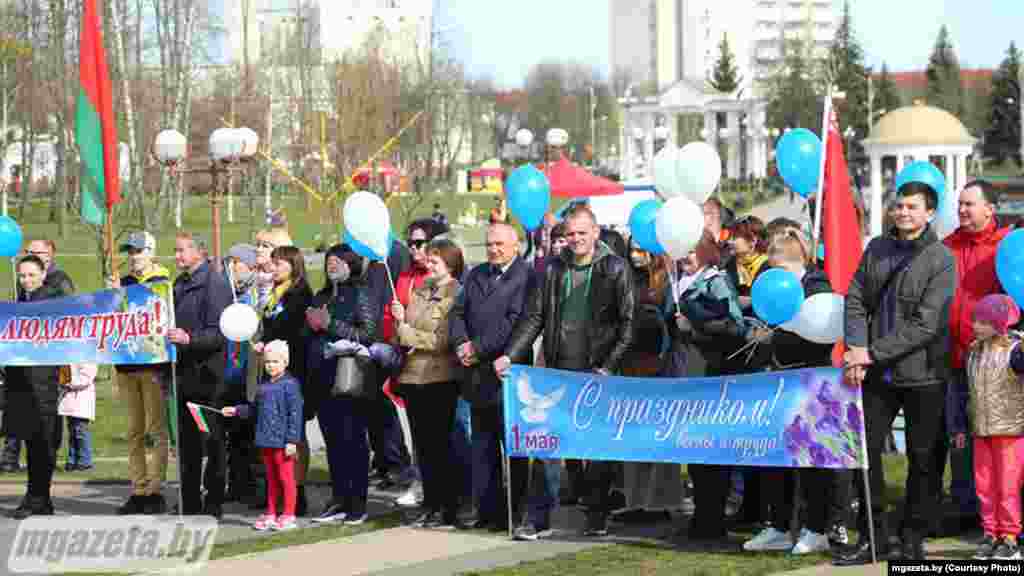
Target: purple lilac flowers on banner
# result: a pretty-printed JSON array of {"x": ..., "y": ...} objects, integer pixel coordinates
[{"x": 796, "y": 418}]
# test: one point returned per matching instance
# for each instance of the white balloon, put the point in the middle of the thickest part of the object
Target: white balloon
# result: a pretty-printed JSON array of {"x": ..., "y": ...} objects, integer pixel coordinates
[
  {"x": 679, "y": 226},
  {"x": 239, "y": 322},
  {"x": 698, "y": 171},
  {"x": 666, "y": 179},
  {"x": 820, "y": 319},
  {"x": 368, "y": 221}
]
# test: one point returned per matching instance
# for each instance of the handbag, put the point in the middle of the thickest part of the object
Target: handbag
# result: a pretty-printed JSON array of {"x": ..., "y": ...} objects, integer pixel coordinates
[{"x": 355, "y": 376}]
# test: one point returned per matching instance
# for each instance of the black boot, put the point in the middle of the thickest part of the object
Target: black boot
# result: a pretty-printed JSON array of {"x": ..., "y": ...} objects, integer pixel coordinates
[
  {"x": 860, "y": 553},
  {"x": 912, "y": 547},
  {"x": 33, "y": 507}
]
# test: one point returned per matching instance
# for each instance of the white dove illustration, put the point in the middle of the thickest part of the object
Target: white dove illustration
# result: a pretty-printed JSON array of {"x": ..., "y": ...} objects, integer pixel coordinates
[{"x": 536, "y": 406}]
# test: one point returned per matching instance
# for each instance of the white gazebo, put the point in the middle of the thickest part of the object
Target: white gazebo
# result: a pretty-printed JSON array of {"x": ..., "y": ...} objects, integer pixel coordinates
[
  {"x": 730, "y": 122},
  {"x": 913, "y": 133}
]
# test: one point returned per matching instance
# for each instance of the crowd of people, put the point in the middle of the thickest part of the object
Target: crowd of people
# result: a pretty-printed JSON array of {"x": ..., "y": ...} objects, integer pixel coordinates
[{"x": 927, "y": 333}]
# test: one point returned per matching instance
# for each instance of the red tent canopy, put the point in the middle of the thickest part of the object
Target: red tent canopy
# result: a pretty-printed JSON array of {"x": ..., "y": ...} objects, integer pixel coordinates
[
  {"x": 384, "y": 168},
  {"x": 571, "y": 181}
]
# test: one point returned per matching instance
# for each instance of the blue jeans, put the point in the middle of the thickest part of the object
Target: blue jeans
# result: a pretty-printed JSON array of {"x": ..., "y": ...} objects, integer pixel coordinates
[
  {"x": 462, "y": 447},
  {"x": 79, "y": 442},
  {"x": 961, "y": 462},
  {"x": 545, "y": 483},
  {"x": 343, "y": 421},
  {"x": 12, "y": 449}
]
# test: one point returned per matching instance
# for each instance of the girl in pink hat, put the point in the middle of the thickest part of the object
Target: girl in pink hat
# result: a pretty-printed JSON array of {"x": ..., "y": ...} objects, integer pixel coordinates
[{"x": 995, "y": 362}]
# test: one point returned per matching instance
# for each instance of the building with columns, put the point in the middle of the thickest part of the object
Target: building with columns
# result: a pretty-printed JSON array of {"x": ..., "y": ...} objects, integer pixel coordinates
[{"x": 673, "y": 45}]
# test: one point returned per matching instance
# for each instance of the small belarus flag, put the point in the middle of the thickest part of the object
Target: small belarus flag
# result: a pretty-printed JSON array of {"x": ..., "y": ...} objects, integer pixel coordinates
[
  {"x": 197, "y": 415},
  {"x": 95, "y": 127}
]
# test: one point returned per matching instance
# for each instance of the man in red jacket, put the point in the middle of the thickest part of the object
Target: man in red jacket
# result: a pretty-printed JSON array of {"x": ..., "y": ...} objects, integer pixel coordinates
[{"x": 974, "y": 246}]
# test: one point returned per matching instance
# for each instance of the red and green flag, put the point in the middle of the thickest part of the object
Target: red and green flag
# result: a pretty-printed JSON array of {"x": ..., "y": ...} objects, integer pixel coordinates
[
  {"x": 197, "y": 415},
  {"x": 95, "y": 129}
]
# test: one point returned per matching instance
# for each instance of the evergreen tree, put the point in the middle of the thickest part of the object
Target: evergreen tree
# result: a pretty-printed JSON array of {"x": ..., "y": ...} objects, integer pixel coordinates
[
  {"x": 794, "y": 90},
  {"x": 725, "y": 77},
  {"x": 1002, "y": 136},
  {"x": 945, "y": 89},
  {"x": 846, "y": 63},
  {"x": 886, "y": 97}
]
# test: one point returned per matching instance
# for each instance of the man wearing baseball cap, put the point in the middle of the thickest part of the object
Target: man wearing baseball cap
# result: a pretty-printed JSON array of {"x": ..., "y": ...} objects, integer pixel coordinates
[{"x": 142, "y": 389}]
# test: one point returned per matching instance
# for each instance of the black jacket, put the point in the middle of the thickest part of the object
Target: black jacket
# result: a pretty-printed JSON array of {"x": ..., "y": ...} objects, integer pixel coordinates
[
  {"x": 56, "y": 281},
  {"x": 287, "y": 321},
  {"x": 916, "y": 348},
  {"x": 485, "y": 313},
  {"x": 199, "y": 300},
  {"x": 610, "y": 330},
  {"x": 353, "y": 317},
  {"x": 32, "y": 390}
]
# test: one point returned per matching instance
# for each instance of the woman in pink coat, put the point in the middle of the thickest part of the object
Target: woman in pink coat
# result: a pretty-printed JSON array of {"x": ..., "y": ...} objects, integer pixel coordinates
[{"x": 78, "y": 403}]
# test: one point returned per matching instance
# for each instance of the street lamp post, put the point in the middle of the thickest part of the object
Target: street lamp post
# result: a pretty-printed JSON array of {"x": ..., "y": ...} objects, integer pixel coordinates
[{"x": 231, "y": 151}]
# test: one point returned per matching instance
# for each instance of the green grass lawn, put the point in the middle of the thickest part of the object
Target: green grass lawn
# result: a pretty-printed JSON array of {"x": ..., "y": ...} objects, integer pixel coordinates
[
  {"x": 680, "y": 556},
  {"x": 76, "y": 254}
]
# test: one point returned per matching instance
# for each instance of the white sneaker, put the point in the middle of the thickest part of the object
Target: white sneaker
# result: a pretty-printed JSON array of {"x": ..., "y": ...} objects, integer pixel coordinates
[
  {"x": 413, "y": 496},
  {"x": 768, "y": 539},
  {"x": 811, "y": 543}
]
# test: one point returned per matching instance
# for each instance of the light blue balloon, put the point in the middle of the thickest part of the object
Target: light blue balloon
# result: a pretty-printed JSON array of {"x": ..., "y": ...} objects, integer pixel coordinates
[
  {"x": 642, "y": 226},
  {"x": 777, "y": 296},
  {"x": 10, "y": 237},
  {"x": 1010, "y": 265},
  {"x": 528, "y": 193},
  {"x": 361, "y": 249},
  {"x": 798, "y": 158},
  {"x": 925, "y": 173}
]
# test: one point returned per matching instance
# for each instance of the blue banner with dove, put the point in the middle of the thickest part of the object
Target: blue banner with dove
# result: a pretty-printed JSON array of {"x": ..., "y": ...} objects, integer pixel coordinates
[{"x": 797, "y": 418}]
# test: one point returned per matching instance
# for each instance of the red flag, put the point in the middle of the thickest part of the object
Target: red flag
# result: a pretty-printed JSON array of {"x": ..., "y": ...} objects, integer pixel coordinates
[
  {"x": 95, "y": 125},
  {"x": 841, "y": 231}
]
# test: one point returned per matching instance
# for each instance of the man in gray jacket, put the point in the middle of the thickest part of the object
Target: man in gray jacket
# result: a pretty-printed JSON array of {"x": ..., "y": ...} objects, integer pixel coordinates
[{"x": 897, "y": 313}]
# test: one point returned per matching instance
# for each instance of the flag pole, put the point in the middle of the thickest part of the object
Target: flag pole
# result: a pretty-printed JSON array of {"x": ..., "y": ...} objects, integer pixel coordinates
[
  {"x": 108, "y": 231},
  {"x": 820, "y": 197}
]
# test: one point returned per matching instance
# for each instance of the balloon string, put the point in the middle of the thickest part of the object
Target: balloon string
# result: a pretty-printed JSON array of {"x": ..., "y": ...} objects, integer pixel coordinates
[
  {"x": 748, "y": 345},
  {"x": 672, "y": 281},
  {"x": 394, "y": 293}
]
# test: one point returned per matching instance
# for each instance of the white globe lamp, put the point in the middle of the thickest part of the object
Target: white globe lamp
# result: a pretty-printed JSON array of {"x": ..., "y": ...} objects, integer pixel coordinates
[
  {"x": 170, "y": 147},
  {"x": 225, "y": 145}
]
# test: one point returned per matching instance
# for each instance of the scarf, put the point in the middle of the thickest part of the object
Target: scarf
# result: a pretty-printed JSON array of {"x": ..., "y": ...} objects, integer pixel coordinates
[
  {"x": 275, "y": 297},
  {"x": 747, "y": 267}
]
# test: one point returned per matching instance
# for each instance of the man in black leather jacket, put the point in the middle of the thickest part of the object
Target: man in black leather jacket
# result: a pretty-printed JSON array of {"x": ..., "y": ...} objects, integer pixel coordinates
[{"x": 584, "y": 310}]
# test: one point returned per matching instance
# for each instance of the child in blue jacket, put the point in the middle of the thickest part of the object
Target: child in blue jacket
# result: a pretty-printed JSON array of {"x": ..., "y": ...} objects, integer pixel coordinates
[{"x": 278, "y": 410}]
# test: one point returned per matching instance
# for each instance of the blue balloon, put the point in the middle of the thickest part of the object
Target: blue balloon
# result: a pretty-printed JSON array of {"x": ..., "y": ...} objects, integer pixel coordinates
[
  {"x": 1010, "y": 265},
  {"x": 10, "y": 237},
  {"x": 777, "y": 296},
  {"x": 798, "y": 157},
  {"x": 925, "y": 173},
  {"x": 642, "y": 228},
  {"x": 361, "y": 249},
  {"x": 528, "y": 193}
]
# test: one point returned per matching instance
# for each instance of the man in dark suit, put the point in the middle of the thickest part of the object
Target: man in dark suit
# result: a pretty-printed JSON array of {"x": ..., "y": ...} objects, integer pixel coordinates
[
  {"x": 200, "y": 296},
  {"x": 492, "y": 300}
]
